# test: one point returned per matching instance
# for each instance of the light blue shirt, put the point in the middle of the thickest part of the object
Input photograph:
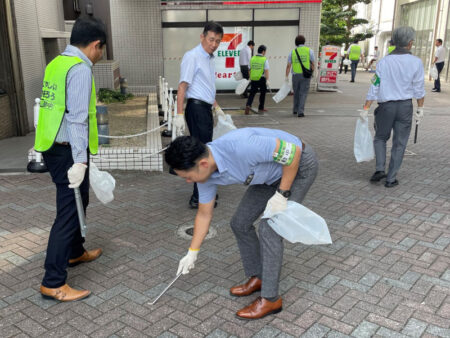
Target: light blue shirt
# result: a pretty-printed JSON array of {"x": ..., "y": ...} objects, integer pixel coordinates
[
  {"x": 401, "y": 78},
  {"x": 242, "y": 152},
  {"x": 74, "y": 127},
  {"x": 311, "y": 57},
  {"x": 197, "y": 70}
]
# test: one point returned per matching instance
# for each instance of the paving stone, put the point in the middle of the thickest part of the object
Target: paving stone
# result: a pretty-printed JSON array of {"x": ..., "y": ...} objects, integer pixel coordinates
[
  {"x": 365, "y": 329},
  {"x": 414, "y": 328}
]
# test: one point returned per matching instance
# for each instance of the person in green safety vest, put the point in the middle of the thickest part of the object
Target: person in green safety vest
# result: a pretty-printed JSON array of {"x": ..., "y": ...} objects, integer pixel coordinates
[
  {"x": 66, "y": 133},
  {"x": 300, "y": 84},
  {"x": 259, "y": 77},
  {"x": 354, "y": 53}
]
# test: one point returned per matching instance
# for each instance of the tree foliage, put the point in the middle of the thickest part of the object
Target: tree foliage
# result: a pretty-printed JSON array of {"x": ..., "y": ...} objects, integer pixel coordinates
[{"x": 338, "y": 19}]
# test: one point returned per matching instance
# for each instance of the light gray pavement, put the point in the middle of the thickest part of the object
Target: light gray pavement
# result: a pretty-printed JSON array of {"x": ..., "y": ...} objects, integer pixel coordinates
[{"x": 387, "y": 273}]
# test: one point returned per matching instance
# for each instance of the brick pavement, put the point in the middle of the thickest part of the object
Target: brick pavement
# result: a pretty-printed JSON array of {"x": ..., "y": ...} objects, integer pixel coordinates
[{"x": 387, "y": 273}]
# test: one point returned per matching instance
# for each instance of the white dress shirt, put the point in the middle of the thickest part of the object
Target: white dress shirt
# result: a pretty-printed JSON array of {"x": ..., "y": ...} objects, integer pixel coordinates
[
  {"x": 440, "y": 54},
  {"x": 244, "y": 56},
  {"x": 198, "y": 71},
  {"x": 401, "y": 77}
]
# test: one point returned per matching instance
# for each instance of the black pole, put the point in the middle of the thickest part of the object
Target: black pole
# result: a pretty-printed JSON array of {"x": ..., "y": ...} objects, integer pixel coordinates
[{"x": 415, "y": 134}]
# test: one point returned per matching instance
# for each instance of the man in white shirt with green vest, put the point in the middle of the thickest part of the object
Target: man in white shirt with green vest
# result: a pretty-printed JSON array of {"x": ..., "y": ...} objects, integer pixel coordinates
[
  {"x": 300, "y": 83},
  {"x": 354, "y": 54},
  {"x": 66, "y": 133},
  {"x": 259, "y": 76}
]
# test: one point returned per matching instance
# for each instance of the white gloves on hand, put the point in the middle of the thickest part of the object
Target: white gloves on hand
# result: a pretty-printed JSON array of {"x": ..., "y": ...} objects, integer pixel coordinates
[
  {"x": 219, "y": 111},
  {"x": 267, "y": 84},
  {"x": 276, "y": 204},
  {"x": 364, "y": 113},
  {"x": 178, "y": 122},
  {"x": 76, "y": 174},
  {"x": 187, "y": 262},
  {"x": 286, "y": 79},
  {"x": 418, "y": 114}
]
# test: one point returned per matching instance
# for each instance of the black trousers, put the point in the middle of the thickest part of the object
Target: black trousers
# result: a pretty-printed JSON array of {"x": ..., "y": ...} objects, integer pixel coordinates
[
  {"x": 245, "y": 73},
  {"x": 65, "y": 241},
  {"x": 255, "y": 85},
  {"x": 200, "y": 123},
  {"x": 437, "y": 82}
]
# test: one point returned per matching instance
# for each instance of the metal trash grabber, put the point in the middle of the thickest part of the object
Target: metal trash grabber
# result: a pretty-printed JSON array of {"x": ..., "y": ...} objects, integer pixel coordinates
[
  {"x": 415, "y": 134},
  {"x": 167, "y": 288},
  {"x": 80, "y": 210}
]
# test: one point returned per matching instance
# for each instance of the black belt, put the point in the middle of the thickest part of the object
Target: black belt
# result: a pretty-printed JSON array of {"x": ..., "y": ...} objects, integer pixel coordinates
[
  {"x": 62, "y": 144},
  {"x": 199, "y": 102}
]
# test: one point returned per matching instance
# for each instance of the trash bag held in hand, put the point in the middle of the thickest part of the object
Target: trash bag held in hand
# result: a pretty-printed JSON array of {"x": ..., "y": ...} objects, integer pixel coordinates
[
  {"x": 224, "y": 125},
  {"x": 347, "y": 62},
  {"x": 298, "y": 224},
  {"x": 238, "y": 76},
  {"x": 363, "y": 144},
  {"x": 282, "y": 93},
  {"x": 434, "y": 72},
  {"x": 240, "y": 89},
  {"x": 102, "y": 183}
]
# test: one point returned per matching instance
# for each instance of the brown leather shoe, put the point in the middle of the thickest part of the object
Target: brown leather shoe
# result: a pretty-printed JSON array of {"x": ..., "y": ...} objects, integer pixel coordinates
[
  {"x": 87, "y": 256},
  {"x": 252, "y": 285},
  {"x": 247, "y": 110},
  {"x": 64, "y": 293},
  {"x": 260, "y": 308}
]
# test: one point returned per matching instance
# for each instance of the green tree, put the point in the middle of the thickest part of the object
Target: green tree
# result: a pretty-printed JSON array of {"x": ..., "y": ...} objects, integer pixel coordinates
[{"x": 338, "y": 19}]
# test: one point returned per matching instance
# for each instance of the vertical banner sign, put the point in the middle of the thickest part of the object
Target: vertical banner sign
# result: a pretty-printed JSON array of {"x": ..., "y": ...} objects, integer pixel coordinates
[
  {"x": 328, "y": 70},
  {"x": 227, "y": 56}
]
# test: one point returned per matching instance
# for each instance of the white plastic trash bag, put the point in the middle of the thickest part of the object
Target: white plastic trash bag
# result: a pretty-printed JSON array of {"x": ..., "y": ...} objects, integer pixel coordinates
[
  {"x": 434, "y": 72},
  {"x": 363, "y": 144},
  {"x": 347, "y": 62},
  {"x": 298, "y": 224},
  {"x": 240, "y": 89},
  {"x": 238, "y": 76},
  {"x": 224, "y": 125},
  {"x": 102, "y": 183},
  {"x": 282, "y": 93}
]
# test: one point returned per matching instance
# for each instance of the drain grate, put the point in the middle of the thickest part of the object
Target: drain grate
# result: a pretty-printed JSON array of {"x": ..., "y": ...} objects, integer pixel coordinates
[{"x": 187, "y": 231}]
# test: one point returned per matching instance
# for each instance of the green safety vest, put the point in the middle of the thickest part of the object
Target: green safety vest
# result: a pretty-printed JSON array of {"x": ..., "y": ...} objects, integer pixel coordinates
[
  {"x": 257, "y": 67},
  {"x": 355, "y": 52},
  {"x": 53, "y": 105},
  {"x": 391, "y": 49},
  {"x": 303, "y": 52}
]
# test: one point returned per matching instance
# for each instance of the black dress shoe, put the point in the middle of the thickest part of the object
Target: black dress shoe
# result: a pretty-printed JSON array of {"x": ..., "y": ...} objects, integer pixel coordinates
[
  {"x": 301, "y": 115},
  {"x": 295, "y": 113},
  {"x": 377, "y": 176},
  {"x": 391, "y": 184}
]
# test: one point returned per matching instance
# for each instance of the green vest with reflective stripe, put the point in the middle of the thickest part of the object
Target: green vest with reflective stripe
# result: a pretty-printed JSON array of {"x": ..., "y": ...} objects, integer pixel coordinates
[
  {"x": 53, "y": 105},
  {"x": 355, "y": 52},
  {"x": 257, "y": 67},
  {"x": 391, "y": 49},
  {"x": 303, "y": 52}
]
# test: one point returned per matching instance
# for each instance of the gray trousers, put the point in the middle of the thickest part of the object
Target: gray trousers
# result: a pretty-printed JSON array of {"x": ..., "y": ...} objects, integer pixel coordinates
[
  {"x": 300, "y": 84},
  {"x": 263, "y": 257},
  {"x": 354, "y": 65},
  {"x": 396, "y": 116}
]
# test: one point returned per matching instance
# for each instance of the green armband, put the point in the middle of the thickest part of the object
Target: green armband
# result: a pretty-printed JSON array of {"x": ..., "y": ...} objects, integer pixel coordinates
[
  {"x": 375, "y": 80},
  {"x": 285, "y": 154}
]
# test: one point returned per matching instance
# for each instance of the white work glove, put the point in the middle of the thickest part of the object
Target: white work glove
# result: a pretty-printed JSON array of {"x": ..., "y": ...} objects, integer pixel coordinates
[
  {"x": 276, "y": 204},
  {"x": 267, "y": 84},
  {"x": 178, "y": 122},
  {"x": 187, "y": 262},
  {"x": 286, "y": 79},
  {"x": 418, "y": 114},
  {"x": 364, "y": 113},
  {"x": 76, "y": 174},
  {"x": 219, "y": 111}
]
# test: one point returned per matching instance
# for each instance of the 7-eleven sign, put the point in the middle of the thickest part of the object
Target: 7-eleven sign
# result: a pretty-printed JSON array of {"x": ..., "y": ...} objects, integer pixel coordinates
[{"x": 233, "y": 40}]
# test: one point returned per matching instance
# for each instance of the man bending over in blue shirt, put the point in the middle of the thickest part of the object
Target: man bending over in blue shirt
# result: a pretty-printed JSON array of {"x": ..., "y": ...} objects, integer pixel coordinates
[{"x": 276, "y": 166}]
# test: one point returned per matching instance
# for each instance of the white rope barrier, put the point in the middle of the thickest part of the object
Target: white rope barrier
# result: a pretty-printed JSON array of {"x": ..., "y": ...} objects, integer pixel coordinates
[
  {"x": 134, "y": 135},
  {"x": 97, "y": 157}
]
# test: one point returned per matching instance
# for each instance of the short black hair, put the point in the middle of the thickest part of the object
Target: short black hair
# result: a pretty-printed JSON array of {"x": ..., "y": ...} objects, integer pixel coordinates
[
  {"x": 376, "y": 47},
  {"x": 184, "y": 152},
  {"x": 214, "y": 27},
  {"x": 300, "y": 40},
  {"x": 86, "y": 30},
  {"x": 251, "y": 43},
  {"x": 261, "y": 49},
  {"x": 439, "y": 40}
]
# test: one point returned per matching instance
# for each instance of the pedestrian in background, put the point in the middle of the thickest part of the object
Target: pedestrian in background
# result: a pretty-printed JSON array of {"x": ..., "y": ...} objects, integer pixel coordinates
[
  {"x": 300, "y": 83},
  {"x": 374, "y": 58},
  {"x": 198, "y": 85},
  {"x": 65, "y": 134},
  {"x": 259, "y": 76},
  {"x": 355, "y": 54},
  {"x": 439, "y": 58},
  {"x": 343, "y": 57},
  {"x": 244, "y": 62},
  {"x": 398, "y": 79}
]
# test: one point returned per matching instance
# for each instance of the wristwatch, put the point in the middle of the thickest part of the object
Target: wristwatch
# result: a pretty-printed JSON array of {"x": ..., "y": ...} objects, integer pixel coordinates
[{"x": 285, "y": 193}]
